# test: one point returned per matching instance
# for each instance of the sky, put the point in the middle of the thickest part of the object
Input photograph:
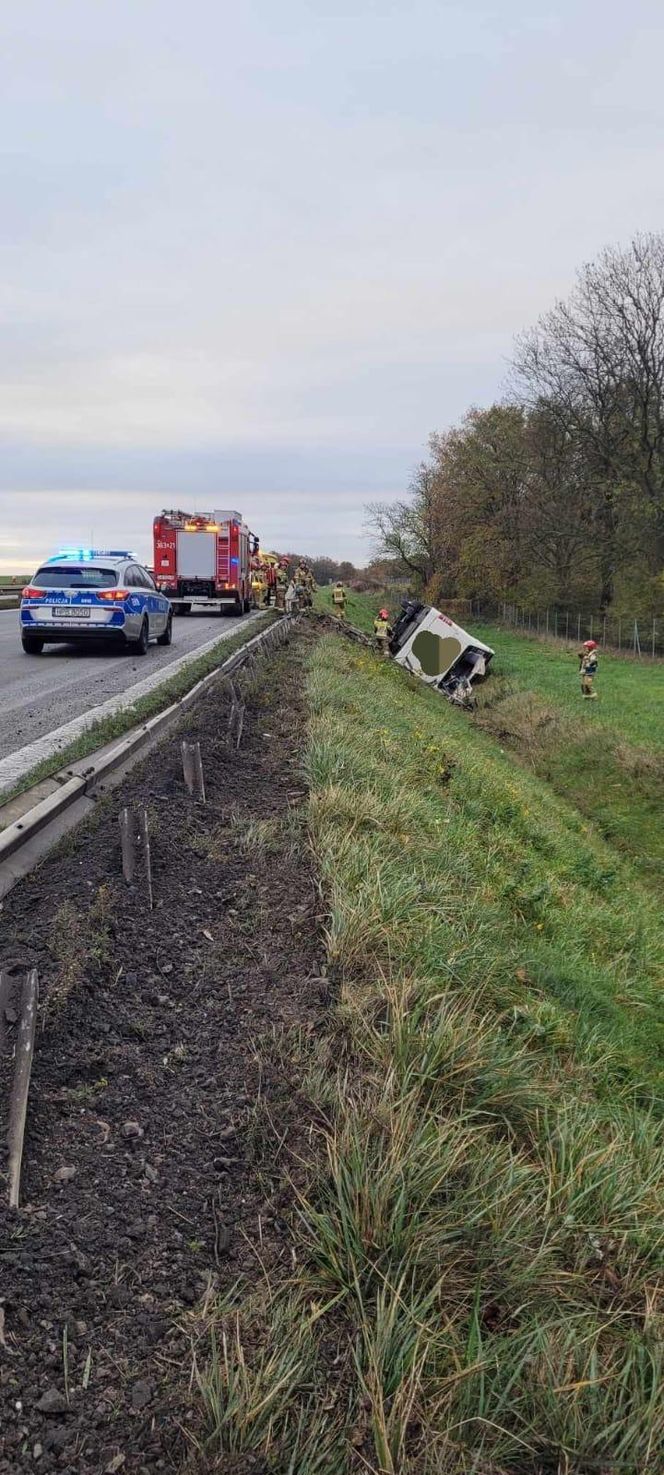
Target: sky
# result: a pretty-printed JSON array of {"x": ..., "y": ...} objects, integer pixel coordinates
[{"x": 252, "y": 255}]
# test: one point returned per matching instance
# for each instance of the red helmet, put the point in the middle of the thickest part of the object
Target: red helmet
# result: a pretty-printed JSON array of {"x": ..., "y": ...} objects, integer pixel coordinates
[
  {"x": 590, "y": 645},
  {"x": 383, "y": 614}
]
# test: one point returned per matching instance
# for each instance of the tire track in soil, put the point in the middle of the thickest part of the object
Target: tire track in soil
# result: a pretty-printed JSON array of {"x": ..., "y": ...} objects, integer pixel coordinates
[{"x": 144, "y": 1088}]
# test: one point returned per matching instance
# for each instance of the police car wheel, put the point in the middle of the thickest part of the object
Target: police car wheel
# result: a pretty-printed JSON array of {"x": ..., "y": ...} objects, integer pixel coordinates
[
  {"x": 140, "y": 647},
  {"x": 167, "y": 637},
  {"x": 32, "y": 645}
]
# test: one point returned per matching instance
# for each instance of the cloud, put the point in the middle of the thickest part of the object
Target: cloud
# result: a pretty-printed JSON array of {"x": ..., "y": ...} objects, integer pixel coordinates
[{"x": 268, "y": 249}]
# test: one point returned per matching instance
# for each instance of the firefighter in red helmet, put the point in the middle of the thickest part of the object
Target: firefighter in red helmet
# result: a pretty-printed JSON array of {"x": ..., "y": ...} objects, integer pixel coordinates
[
  {"x": 588, "y": 663},
  {"x": 382, "y": 630}
]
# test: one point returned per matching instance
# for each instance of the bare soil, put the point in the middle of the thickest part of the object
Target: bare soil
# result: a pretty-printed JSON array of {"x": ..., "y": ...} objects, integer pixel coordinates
[{"x": 140, "y": 1185}]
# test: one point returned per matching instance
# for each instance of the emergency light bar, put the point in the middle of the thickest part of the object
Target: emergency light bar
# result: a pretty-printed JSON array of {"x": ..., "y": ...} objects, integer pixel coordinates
[{"x": 85, "y": 555}]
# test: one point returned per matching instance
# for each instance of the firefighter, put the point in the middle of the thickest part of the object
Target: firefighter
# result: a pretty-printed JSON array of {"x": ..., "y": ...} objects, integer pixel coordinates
[
  {"x": 258, "y": 588},
  {"x": 339, "y": 600},
  {"x": 588, "y": 662},
  {"x": 382, "y": 630}
]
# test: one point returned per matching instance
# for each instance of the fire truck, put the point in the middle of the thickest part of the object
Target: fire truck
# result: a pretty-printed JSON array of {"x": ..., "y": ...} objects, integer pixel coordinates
[{"x": 204, "y": 561}]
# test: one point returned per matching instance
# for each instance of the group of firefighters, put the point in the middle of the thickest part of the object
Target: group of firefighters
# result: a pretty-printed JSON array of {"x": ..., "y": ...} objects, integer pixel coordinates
[{"x": 274, "y": 582}]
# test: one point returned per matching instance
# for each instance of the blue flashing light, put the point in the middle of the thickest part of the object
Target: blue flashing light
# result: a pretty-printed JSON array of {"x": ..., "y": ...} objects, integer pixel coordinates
[
  {"x": 86, "y": 555},
  {"x": 235, "y": 560}
]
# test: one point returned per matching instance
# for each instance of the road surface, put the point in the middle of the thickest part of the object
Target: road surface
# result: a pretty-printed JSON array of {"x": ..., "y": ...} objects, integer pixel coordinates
[{"x": 40, "y": 693}]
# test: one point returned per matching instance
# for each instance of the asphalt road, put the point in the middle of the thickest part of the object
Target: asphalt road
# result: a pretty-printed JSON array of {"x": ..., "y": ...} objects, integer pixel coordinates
[{"x": 40, "y": 693}]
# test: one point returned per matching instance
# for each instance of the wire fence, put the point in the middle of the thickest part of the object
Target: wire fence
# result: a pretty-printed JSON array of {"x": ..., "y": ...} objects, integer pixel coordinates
[{"x": 623, "y": 633}]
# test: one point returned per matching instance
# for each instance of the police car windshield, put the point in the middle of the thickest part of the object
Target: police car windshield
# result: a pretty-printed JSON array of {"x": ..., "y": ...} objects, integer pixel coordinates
[{"x": 71, "y": 577}]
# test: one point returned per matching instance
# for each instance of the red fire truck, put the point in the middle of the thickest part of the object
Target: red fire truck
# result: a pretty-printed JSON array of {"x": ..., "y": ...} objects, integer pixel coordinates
[{"x": 204, "y": 561}]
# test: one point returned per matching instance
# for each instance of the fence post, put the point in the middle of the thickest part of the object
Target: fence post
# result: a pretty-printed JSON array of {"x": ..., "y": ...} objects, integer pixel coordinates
[
  {"x": 578, "y": 626},
  {"x": 538, "y": 621},
  {"x": 637, "y": 642},
  {"x": 555, "y": 623},
  {"x": 530, "y": 620},
  {"x": 567, "y": 624},
  {"x": 547, "y": 622}
]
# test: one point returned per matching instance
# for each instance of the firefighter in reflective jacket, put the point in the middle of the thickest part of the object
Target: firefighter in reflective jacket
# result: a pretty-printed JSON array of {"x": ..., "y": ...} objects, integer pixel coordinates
[
  {"x": 339, "y": 599},
  {"x": 382, "y": 630},
  {"x": 588, "y": 660}
]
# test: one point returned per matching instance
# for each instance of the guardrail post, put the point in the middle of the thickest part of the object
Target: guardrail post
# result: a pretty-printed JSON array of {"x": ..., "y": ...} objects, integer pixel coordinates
[
  {"x": 192, "y": 768},
  {"x": 18, "y": 1101},
  {"x": 144, "y": 837},
  {"x": 135, "y": 830},
  {"x": 127, "y": 837}
]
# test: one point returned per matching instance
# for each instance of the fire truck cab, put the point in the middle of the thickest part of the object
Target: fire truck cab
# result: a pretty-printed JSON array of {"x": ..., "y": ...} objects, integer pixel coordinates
[{"x": 204, "y": 561}]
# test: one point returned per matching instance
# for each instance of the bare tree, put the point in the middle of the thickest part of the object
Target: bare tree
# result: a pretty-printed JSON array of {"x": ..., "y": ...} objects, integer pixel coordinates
[
  {"x": 411, "y": 531},
  {"x": 597, "y": 362}
]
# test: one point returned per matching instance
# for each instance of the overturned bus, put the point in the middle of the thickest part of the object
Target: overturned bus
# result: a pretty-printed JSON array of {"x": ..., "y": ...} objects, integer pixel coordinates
[{"x": 429, "y": 644}]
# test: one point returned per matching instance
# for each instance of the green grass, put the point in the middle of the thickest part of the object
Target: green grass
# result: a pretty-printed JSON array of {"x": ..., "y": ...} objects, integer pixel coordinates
[
  {"x": 477, "y": 1257},
  {"x": 604, "y": 756},
  {"x": 489, "y": 1213},
  {"x": 100, "y": 733},
  {"x": 631, "y": 693},
  {"x": 361, "y": 609}
]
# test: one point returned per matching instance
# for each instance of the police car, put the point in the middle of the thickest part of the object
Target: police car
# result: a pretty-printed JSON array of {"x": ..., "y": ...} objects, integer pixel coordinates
[{"x": 91, "y": 594}]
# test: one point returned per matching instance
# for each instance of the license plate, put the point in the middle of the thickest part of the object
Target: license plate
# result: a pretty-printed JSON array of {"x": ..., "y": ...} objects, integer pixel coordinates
[{"x": 71, "y": 612}]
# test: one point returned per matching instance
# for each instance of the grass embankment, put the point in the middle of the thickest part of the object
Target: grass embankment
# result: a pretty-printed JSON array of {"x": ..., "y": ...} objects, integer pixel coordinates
[
  {"x": 361, "y": 609},
  {"x": 100, "y": 733},
  {"x": 476, "y": 1273},
  {"x": 605, "y": 756}
]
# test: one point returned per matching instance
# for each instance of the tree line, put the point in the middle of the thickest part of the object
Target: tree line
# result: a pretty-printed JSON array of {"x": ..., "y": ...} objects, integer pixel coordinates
[{"x": 555, "y": 494}]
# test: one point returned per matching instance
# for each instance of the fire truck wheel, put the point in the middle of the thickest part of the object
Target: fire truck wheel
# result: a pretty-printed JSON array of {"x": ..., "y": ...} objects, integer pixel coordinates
[
  {"x": 167, "y": 637},
  {"x": 140, "y": 647}
]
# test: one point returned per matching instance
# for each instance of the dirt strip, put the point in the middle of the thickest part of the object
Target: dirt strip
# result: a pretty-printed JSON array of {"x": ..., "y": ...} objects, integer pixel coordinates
[{"x": 147, "y": 1094}]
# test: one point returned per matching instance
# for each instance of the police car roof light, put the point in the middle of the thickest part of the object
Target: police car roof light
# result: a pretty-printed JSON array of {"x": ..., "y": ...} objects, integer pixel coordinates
[{"x": 86, "y": 555}]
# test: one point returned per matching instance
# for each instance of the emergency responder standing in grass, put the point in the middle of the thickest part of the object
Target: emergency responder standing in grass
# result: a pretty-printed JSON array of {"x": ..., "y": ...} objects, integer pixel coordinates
[
  {"x": 588, "y": 660},
  {"x": 339, "y": 600},
  {"x": 382, "y": 630}
]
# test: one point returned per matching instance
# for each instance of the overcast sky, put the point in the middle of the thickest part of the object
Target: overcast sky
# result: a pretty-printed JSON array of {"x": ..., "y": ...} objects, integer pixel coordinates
[{"x": 252, "y": 254}]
